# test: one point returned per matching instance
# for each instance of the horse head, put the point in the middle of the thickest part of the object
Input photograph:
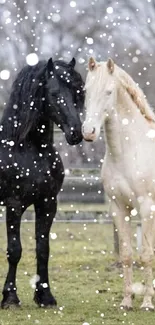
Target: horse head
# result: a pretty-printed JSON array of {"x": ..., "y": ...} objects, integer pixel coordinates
[
  {"x": 100, "y": 96},
  {"x": 65, "y": 97}
]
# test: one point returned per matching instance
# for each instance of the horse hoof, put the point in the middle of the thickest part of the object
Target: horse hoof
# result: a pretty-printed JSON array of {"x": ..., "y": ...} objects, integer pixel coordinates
[
  {"x": 128, "y": 308},
  {"x": 9, "y": 303},
  {"x": 49, "y": 306},
  {"x": 126, "y": 303},
  {"x": 10, "y": 300},
  {"x": 147, "y": 308},
  {"x": 45, "y": 301}
]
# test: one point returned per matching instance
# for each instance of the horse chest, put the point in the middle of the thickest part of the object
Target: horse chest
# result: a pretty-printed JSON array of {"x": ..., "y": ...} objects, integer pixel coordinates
[
  {"x": 127, "y": 182},
  {"x": 30, "y": 176},
  {"x": 116, "y": 184}
]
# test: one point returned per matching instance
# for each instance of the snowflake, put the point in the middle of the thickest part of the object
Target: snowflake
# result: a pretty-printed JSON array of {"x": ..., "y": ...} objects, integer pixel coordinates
[
  {"x": 90, "y": 40},
  {"x": 73, "y": 4},
  {"x": 134, "y": 212},
  {"x": 125, "y": 121},
  {"x": 109, "y": 10},
  {"x": 5, "y": 74},
  {"x": 53, "y": 235},
  {"x": 135, "y": 59},
  {"x": 56, "y": 18},
  {"x": 32, "y": 59},
  {"x": 151, "y": 134},
  {"x": 34, "y": 280}
]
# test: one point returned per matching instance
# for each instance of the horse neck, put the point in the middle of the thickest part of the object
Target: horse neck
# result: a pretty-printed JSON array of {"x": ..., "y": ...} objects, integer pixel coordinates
[
  {"x": 40, "y": 136},
  {"x": 120, "y": 137},
  {"x": 112, "y": 136},
  {"x": 42, "y": 140}
]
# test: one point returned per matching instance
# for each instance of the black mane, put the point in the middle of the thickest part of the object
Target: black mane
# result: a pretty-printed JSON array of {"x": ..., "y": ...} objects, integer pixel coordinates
[{"x": 26, "y": 102}]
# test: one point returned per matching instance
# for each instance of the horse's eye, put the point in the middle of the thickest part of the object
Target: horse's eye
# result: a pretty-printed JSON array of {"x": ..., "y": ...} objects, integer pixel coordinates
[
  {"x": 108, "y": 92},
  {"x": 55, "y": 93}
]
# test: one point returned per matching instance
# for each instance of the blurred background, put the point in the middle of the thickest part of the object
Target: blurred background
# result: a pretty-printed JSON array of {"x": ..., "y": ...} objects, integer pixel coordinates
[{"x": 32, "y": 30}]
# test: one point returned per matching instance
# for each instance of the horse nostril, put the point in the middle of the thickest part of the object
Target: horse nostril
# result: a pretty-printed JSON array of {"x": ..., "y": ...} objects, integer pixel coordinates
[
  {"x": 93, "y": 131},
  {"x": 75, "y": 134}
]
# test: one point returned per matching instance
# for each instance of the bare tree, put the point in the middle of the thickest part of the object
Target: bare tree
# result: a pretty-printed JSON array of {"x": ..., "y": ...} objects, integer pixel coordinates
[{"x": 124, "y": 30}]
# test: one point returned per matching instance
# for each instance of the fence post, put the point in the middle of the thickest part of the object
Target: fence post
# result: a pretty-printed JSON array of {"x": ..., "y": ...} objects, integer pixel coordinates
[
  {"x": 116, "y": 240},
  {"x": 139, "y": 236}
]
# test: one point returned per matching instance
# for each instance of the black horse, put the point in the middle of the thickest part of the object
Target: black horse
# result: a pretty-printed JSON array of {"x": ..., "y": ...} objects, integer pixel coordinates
[{"x": 31, "y": 170}]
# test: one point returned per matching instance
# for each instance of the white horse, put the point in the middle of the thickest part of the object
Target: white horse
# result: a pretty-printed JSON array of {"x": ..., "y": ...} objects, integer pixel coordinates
[{"x": 114, "y": 101}]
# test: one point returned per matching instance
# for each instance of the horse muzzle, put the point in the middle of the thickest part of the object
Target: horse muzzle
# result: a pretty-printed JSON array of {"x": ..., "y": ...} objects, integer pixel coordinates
[
  {"x": 73, "y": 136},
  {"x": 89, "y": 136}
]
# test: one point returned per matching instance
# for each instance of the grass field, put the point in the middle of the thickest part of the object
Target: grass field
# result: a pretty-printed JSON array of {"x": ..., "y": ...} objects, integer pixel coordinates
[{"x": 84, "y": 278}]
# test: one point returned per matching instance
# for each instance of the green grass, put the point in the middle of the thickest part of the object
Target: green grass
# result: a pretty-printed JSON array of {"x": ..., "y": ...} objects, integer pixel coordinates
[{"x": 83, "y": 277}]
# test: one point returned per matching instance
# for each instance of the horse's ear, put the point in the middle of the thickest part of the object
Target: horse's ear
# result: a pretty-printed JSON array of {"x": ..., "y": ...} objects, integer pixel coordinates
[
  {"x": 50, "y": 66},
  {"x": 72, "y": 63},
  {"x": 92, "y": 64},
  {"x": 110, "y": 65}
]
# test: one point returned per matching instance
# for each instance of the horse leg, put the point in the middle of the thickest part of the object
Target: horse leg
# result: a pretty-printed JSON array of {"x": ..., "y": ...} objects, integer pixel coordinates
[
  {"x": 14, "y": 250},
  {"x": 124, "y": 233},
  {"x": 147, "y": 254},
  {"x": 45, "y": 212}
]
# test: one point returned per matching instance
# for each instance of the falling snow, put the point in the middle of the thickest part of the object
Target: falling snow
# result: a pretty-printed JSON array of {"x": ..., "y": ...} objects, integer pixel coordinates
[
  {"x": 138, "y": 288},
  {"x": 32, "y": 59},
  {"x": 153, "y": 207},
  {"x": 53, "y": 235},
  {"x": 73, "y": 4},
  {"x": 125, "y": 121},
  {"x": 80, "y": 29},
  {"x": 134, "y": 212},
  {"x": 109, "y": 10},
  {"x": 90, "y": 41},
  {"x": 34, "y": 280},
  {"x": 5, "y": 74},
  {"x": 151, "y": 134},
  {"x": 135, "y": 59},
  {"x": 56, "y": 17}
]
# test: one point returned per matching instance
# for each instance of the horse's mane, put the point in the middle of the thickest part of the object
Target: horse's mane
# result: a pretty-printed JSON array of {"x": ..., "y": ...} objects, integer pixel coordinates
[
  {"x": 136, "y": 94},
  {"x": 25, "y": 103}
]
